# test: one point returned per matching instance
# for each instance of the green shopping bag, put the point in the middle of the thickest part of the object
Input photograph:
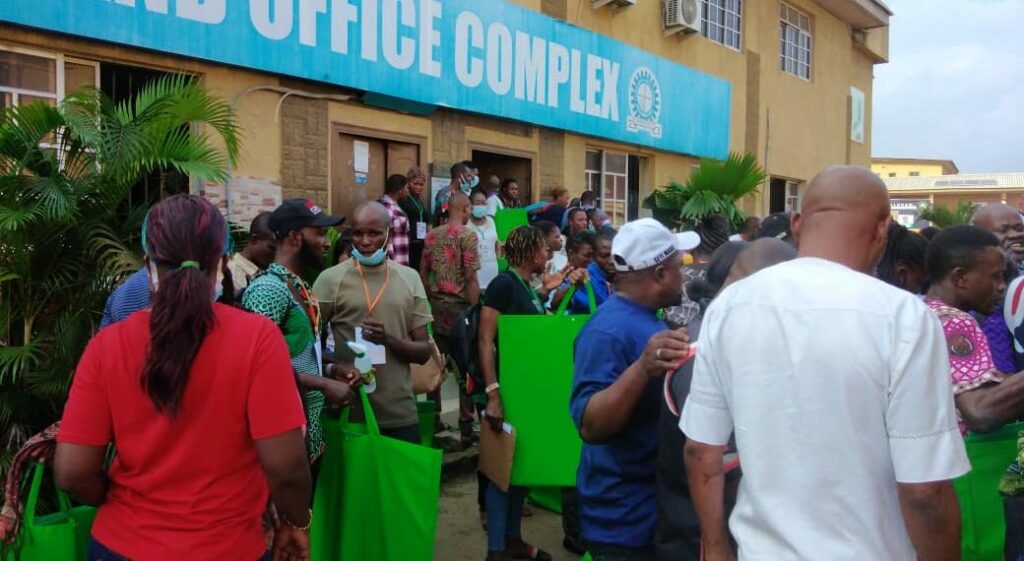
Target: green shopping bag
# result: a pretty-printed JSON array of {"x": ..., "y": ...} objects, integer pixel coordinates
[
  {"x": 536, "y": 365},
  {"x": 376, "y": 497},
  {"x": 427, "y": 415},
  {"x": 59, "y": 536},
  {"x": 981, "y": 505},
  {"x": 508, "y": 219}
]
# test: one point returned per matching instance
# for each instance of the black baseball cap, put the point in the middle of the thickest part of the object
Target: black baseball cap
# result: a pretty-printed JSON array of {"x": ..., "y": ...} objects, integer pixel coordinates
[
  {"x": 296, "y": 214},
  {"x": 775, "y": 226}
]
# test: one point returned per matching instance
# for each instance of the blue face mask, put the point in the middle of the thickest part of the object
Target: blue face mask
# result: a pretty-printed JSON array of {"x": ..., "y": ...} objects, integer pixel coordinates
[
  {"x": 474, "y": 182},
  {"x": 479, "y": 211},
  {"x": 465, "y": 186},
  {"x": 373, "y": 260},
  {"x": 218, "y": 291}
]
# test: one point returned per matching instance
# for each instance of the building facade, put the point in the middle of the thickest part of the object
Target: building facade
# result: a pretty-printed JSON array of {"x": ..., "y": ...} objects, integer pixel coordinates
[
  {"x": 887, "y": 168},
  {"x": 334, "y": 96},
  {"x": 909, "y": 194}
]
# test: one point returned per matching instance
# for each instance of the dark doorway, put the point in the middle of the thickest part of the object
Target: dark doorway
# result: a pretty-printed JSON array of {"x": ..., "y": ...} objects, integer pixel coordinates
[
  {"x": 504, "y": 166},
  {"x": 633, "y": 189},
  {"x": 777, "y": 195},
  {"x": 122, "y": 83}
]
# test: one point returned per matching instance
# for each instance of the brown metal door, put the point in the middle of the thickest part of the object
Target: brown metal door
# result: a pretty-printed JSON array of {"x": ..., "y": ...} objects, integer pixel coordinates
[{"x": 401, "y": 157}]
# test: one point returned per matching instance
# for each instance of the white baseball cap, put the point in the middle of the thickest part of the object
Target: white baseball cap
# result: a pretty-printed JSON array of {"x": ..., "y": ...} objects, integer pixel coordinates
[{"x": 647, "y": 243}]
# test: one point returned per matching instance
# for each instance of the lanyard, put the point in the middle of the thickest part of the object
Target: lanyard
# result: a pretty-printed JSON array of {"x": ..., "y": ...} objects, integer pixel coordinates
[
  {"x": 309, "y": 300},
  {"x": 419, "y": 208},
  {"x": 533, "y": 293},
  {"x": 372, "y": 304}
]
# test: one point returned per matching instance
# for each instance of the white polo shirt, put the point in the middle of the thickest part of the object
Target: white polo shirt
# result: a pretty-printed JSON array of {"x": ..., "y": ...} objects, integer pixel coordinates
[{"x": 837, "y": 387}]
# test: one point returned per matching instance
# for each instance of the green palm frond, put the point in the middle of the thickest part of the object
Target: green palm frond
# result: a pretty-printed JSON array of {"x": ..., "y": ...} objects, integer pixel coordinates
[
  {"x": 715, "y": 187},
  {"x": 944, "y": 217},
  {"x": 17, "y": 362}
]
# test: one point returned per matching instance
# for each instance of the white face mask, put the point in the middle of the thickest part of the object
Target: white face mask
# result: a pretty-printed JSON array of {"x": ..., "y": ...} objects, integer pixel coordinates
[{"x": 153, "y": 278}]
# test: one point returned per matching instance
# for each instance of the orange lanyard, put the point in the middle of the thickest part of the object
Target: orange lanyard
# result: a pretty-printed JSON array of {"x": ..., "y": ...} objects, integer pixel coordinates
[{"x": 372, "y": 304}]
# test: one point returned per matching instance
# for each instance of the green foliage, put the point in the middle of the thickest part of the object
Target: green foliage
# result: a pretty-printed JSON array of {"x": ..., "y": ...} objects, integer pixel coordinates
[
  {"x": 944, "y": 217},
  {"x": 69, "y": 228},
  {"x": 714, "y": 188}
]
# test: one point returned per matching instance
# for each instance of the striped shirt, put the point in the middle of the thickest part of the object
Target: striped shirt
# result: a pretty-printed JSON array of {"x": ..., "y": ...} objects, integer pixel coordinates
[
  {"x": 130, "y": 297},
  {"x": 398, "y": 237}
]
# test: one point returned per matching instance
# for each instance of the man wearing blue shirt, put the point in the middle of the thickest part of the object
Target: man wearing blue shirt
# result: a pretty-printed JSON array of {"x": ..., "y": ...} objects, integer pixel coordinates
[
  {"x": 130, "y": 297},
  {"x": 619, "y": 357}
]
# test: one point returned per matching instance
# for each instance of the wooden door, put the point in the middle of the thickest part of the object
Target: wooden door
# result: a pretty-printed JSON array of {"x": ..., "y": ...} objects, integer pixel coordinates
[
  {"x": 401, "y": 157},
  {"x": 352, "y": 187}
]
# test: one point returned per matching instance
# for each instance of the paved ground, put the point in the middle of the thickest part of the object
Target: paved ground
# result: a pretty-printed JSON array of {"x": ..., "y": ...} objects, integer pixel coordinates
[{"x": 460, "y": 537}]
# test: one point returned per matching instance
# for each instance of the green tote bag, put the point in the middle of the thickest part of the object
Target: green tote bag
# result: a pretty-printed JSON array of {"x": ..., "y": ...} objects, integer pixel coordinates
[
  {"x": 981, "y": 506},
  {"x": 376, "y": 497},
  {"x": 536, "y": 365},
  {"x": 508, "y": 219},
  {"x": 59, "y": 536}
]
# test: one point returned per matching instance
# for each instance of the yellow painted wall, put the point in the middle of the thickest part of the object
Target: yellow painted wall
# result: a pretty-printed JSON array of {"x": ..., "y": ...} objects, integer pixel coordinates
[{"x": 923, "y": 169}]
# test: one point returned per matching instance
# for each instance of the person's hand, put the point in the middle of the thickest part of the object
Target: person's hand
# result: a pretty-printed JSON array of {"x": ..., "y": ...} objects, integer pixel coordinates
[
  {"x": 552, "y": 281},
  {"x": 665, "y": 351},
  {"x": 346, "y": 372},
  {"x": 373, "y": 331},
  {"x": 495, "y": 411},
  {"x": 290, "y": 544},
  {"x": 579, "y": 277},
  {"x": 337, "y": 393}
]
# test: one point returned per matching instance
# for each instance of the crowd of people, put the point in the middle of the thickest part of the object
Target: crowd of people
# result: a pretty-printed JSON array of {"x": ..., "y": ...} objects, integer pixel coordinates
[{"x": 810, "y": 377}]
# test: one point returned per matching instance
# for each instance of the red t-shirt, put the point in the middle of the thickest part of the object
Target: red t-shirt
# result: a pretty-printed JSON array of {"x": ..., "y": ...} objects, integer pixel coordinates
[{"x": 193, "y": 487}]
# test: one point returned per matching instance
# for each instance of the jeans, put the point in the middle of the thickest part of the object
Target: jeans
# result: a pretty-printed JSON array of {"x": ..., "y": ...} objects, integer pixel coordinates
[
  {"x": 608, "y": 552},
  {"x": 100, "y": 552},
  {"x": 410, "y": 434},
  {"x": 504, "y": 515}
]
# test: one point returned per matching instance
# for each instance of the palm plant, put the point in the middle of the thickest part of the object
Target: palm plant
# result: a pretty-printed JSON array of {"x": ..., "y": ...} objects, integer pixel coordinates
[
  {"x": 69, "y": 231},
  {"x": 713, "y": 188},
  {"x": 944, "y": 217}
]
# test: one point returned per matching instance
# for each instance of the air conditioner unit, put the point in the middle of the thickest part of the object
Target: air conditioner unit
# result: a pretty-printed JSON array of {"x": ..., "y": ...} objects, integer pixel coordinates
[
  {"x": 681, "y": 16},
  {"x": 600, "y": 3}
]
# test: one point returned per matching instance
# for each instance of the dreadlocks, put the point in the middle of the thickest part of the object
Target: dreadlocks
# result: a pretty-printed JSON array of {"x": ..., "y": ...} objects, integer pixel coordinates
[
  {"x": 903, "y": 248},
  {"x": 714, "y": 231},
  {"x": 523, "y": 243}
]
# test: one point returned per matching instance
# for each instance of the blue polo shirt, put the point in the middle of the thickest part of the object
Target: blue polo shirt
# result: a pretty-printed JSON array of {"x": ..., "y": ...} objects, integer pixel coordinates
[
  {"x": 130, "y": 297},
  {"x": 616, "y": 480}
]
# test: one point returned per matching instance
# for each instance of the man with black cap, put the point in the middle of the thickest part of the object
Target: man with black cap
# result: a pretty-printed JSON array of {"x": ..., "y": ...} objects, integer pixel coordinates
[
  {"x": 300, "y": 228},
  {"x": 776, "y": 226},
  {"x": 619, "y": 357}
]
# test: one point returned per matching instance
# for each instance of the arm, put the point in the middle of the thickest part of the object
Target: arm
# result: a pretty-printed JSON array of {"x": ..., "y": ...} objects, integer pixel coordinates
[
  {"x": 415, "y": 350},
  {"x": 608, "y": 411},
  {"x": 284, "y": 462},
  {"x": 486, "y": 335},
  {"x": 991, "y": 406},
  {"x": 560, "y": 292},
  {"x": 932, "y": 517},
  {"x": 425, "y": 267},
  {"x": 472, "y": 287},
  {"x": 706, "y": 476},
  {"x": 80, "y": 472}
]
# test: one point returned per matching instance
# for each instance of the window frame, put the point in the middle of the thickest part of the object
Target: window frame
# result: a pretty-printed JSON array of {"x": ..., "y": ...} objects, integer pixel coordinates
[
  {"x": 792, "y": 46},
  {"x": 602, "y": 175},
  {"x": 720, "y": 24},
  {"x": 60, "y": 59}
]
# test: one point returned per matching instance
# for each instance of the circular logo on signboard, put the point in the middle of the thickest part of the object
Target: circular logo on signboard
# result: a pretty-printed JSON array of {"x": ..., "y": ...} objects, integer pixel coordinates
[{"x": 644, "y": 102}]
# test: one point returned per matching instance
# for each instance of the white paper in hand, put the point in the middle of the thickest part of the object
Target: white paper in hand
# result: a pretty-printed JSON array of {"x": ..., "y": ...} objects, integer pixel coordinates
[{"x": 374, "y": 352}]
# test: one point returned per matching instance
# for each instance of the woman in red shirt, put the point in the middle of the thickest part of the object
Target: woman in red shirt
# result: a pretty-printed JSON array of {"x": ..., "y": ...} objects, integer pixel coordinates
[{"x": 200, "y": 403}]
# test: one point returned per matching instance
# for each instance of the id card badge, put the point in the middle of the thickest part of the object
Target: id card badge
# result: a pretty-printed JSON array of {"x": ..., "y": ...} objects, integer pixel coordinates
[
  {"x": 319, "y": 349},
  {"x": 374, "y": 352},
  {"x": 421, "y": 230}
]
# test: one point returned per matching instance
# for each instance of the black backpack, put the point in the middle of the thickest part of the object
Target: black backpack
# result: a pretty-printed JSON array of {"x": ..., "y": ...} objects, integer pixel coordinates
[{"x": 464, "y": 346}]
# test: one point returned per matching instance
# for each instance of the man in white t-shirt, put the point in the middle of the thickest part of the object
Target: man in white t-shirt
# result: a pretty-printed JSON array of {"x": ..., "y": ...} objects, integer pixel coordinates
[{"x": 836, "y": 386}]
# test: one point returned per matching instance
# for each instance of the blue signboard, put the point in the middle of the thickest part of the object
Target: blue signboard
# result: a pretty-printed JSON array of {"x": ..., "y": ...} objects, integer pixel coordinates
[{"x": 483, "y": 56}]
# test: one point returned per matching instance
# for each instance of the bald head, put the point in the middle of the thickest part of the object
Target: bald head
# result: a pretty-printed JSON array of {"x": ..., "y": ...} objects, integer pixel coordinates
[
  {"x": 371, "y": 214},
  {"x": 1005, "y": 222},
  {"x": 760, "y": 254},
  {"x": 458, "y": 209},
  {"x": 844, "y": 218}
]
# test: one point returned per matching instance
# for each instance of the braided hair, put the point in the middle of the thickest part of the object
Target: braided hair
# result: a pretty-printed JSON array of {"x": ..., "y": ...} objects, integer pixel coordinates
[
  {"x": 903, "y": 247},
  {"x": 714, "y": 231},
  {"x": 523, "y": 243}
]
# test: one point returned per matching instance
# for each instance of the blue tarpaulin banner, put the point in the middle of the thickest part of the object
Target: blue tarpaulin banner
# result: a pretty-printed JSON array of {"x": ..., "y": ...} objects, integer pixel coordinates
[{"x": 483, "y": 56}]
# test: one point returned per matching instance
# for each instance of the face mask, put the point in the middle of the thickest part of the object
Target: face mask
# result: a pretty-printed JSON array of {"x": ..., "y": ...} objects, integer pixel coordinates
[
  {"x": 153, "y": 276},
  {"x": 474, "y": 182},
  {"x": 587, "y": 207},
  {"x": 479, "y": 211},
  {"x": 465, "y": 186},
  {"x": 218, "y": 287},
  {"x": 376, "y": 258}
]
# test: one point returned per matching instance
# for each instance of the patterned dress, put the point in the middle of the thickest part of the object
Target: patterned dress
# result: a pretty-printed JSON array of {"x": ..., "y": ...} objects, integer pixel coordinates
[
  {"x": 271, "y": 295},
  {"x": 452, "y": 253},
  {"x": 970, "y": 361}
]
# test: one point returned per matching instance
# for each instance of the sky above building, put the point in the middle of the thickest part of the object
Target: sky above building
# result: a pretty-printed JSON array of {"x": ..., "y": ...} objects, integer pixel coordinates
[{"x": 954, "y": 86}]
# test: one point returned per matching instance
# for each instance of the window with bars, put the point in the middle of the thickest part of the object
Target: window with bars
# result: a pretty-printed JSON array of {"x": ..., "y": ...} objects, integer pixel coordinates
[
  {"x": 795, "y": 42},
  {"x": 721, "y": 21}
]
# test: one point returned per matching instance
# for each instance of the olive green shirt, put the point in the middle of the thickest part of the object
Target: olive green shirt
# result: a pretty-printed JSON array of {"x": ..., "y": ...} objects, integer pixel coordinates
[{"x": 402, "y": 309}]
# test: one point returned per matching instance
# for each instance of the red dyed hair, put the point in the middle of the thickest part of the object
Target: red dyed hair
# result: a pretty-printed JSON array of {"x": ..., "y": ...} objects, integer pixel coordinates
[{"x": 179, "y": 229}]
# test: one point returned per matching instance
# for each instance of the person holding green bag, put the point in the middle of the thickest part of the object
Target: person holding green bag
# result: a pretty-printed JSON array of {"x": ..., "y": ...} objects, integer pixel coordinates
[
  {"x": 580, "y": 248},
  {"x": 510, "y": 293},
  {"x": 201, "y": 404}
]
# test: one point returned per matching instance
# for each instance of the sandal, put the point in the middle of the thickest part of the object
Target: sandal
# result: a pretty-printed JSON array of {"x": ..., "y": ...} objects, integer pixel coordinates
[{"x": 522, "y": 550}]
